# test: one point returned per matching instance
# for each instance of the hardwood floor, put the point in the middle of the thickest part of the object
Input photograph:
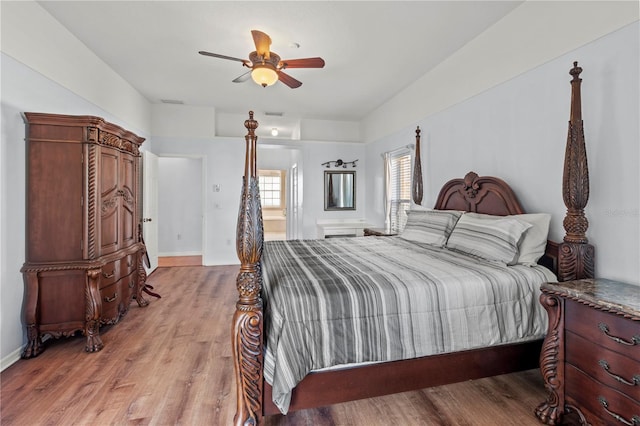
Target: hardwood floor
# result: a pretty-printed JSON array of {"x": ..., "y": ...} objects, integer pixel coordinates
[
  {"x": 167, "y": 261},
  {"x": 170, "y": 363}
]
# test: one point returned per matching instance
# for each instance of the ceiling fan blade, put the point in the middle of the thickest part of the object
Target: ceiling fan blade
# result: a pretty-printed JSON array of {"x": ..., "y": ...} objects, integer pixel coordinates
[
  {"x": 231, "y": 58},
  {"x": 262, "y": 42},
  {"x": 244, "y": 77},
  {"x": 288, "y": 80},
  {"x": 302, "y": 63}
]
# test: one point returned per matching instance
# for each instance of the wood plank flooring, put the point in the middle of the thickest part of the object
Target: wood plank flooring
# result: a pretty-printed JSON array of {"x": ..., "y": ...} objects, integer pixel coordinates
[
  {"x": 170, "y": 364},
  {"x": 167, "y": 261}
]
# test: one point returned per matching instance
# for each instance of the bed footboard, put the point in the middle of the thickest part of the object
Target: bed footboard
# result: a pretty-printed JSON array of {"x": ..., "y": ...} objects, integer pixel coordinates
[{"x": 247, "y": 327}]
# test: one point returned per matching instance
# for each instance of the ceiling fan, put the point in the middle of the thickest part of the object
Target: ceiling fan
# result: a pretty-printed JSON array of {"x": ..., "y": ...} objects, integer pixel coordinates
[{"x": 266, "y": 66}]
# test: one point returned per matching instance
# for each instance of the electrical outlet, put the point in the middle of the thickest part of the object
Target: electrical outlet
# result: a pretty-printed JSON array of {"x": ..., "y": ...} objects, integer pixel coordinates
[{"x": 216, "y": 187}]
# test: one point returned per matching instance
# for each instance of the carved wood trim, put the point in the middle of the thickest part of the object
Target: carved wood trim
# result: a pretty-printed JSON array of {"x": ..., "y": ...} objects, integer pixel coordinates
[
  {"x": 417, "y": 183},
  {"x": 92, "y": 196},
  {"x": 247, "y": 336},
  {"x": 552, "y": 362},
  {"x": 93, "y": 307},
  {"x": 576, "y": 255}
]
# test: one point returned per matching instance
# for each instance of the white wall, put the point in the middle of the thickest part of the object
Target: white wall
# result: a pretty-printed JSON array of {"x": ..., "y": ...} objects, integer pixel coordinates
[
  {"x": 33, "y": 37},
  {"x": 534, "y": 33},
  {"x": 518, "y": 130},
  {"x": 180, "y": 212}
]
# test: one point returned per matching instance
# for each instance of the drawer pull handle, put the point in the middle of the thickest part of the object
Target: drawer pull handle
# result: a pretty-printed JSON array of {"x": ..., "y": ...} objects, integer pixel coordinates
[
  {"x": 129, "y": 264},
  {"x": 634, "y": 382},
  {"x": 111, "y": 299},
  {"x": 635, "y": 340},
  {"x": 635, "y": 420},
  {"x": 107, "y": 276},
  {"x": 131, "y": 284}
]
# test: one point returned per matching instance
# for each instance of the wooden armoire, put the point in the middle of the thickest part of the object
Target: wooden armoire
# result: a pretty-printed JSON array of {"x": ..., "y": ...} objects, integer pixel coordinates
[{"x": 83, "y": 250}]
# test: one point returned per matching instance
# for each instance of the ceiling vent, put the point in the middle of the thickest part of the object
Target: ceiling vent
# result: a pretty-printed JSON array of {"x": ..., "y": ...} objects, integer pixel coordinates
[
  {"x": 274, "y": 114},
  {"x": 172, "y": 101}
]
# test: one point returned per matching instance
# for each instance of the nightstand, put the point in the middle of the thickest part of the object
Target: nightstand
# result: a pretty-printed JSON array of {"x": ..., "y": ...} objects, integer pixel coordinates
[
  {"x": 379, "y": 232},
  {"x": 590, "y": 359}
]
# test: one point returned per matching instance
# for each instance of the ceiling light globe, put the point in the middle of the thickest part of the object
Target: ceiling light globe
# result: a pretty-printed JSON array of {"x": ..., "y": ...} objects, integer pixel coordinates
[{"x": 264, "y": 75}]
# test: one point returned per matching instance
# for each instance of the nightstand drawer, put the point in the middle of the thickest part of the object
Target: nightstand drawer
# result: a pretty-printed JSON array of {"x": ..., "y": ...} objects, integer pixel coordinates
[
  {"x": 608, "y": 367},
  {"x": 604, "y": 329},
  {"x": 600, "y": 404}
]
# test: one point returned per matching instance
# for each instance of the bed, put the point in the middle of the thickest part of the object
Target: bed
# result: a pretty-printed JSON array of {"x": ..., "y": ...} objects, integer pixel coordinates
[{"x": 360, "y": 369}]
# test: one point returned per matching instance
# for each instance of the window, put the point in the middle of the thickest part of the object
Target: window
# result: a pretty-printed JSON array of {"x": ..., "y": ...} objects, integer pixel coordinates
[
  {"x": 271, "y": 183},
  {"x": 398, "y": 188}
]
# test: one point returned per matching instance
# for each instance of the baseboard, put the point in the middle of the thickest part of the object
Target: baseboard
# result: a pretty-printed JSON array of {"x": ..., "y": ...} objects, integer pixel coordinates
[
  {"x": 179, "y": 253},
  {"x": 10, "y": 359}
]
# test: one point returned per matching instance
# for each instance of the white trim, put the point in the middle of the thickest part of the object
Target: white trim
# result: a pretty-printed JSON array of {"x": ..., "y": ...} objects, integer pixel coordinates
[{"x": 11, "y": 359}]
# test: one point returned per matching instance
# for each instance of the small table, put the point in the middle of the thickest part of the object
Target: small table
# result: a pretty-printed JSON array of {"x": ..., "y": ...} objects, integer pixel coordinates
[{"x": 379, "y": 232}]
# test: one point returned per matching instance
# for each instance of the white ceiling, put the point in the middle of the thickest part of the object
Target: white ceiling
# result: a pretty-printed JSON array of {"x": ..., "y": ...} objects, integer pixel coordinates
[{"x": 372, "y": 49}]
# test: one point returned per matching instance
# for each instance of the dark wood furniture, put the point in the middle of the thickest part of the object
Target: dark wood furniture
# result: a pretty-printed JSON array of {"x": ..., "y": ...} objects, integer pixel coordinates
[
  {"x": 571, "y": 259},
  {"x": 591, "y": 357},
  {"x": 83, "y": 255},
  {"x": 379, "y": 232}
]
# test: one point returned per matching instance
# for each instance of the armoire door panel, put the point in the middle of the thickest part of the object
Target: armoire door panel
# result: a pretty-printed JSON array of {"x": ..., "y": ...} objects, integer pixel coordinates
[
  {"x": 128, "y": 182},
  {"x": 109, "y": 161},
  {"x": 127, "y": 224},
  {"x": 110, "y": 200},
  {"x": 47, "y": 227}
]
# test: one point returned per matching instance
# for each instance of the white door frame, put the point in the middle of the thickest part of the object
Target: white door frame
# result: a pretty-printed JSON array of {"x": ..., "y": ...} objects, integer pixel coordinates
[{"x": 150, "y": 207}]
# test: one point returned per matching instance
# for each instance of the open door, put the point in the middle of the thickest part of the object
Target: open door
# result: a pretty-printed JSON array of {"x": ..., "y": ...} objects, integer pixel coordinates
[
  {"x": 293, "y": 204},
  {"x": 150, "y": 207}
]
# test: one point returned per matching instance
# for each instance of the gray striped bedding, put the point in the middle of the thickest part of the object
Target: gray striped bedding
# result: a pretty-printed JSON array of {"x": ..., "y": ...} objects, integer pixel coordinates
[{"x": 370, "y": 299}]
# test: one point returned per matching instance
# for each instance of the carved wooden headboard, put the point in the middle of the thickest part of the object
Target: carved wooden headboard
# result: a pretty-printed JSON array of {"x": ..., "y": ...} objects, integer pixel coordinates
[{"x": 479, "y": 194}]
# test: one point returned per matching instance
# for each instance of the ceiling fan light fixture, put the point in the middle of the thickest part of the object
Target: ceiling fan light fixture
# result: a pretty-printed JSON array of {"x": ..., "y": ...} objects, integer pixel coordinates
[{"x": 264, "y": 75}]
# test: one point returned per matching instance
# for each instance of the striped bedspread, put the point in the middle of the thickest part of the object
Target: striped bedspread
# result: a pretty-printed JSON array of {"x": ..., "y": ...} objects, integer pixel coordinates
[{"x": 351, "y": 300}]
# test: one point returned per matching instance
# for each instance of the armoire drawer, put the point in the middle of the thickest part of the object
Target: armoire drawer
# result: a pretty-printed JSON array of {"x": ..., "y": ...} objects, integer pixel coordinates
[
  {"x": 110, "y": 297},
  {"x": 128, "y": 264},
  {"x": 127, "y": 289},
  {"x": 608, "y": 367},
  {"x": 604, "y": 329},
  {"x": 601, "y": 405},
  {"x": 110, "y": 273}
]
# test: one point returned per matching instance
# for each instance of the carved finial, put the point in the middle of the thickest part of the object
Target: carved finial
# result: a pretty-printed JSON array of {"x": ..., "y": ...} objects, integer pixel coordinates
[
  {"x": 418, "y": 131},
  {"x": 251, "y": 124},
  {"x": 575, "y": 71}
]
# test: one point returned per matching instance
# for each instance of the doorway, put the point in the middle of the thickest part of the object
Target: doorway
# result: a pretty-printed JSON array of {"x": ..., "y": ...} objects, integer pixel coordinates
[
  {"x": 286, "y": 161},
  {"x": 180, "y": 211}
]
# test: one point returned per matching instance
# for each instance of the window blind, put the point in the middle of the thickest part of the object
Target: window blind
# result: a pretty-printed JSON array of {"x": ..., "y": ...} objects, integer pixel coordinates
[{"x": 400, "y": 189}]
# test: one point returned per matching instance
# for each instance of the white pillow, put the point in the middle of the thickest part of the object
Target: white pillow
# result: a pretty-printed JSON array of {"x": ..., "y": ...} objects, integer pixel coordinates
[
  {"x": 430, "y": 226},
  {"x": 489, "y": 239},
  {"x": 534, "y": 242}
]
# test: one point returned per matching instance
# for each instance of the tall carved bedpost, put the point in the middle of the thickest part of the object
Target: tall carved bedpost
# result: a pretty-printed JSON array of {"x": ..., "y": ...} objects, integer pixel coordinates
[
  {"x": 248, "y": 319},
  {"x": 576, "y": 256},
  {"x": 416, "y": 189}
]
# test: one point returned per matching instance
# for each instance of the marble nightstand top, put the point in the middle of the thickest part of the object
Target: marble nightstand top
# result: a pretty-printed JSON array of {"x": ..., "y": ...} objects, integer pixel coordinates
[{"x": 609, "y": 294}]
